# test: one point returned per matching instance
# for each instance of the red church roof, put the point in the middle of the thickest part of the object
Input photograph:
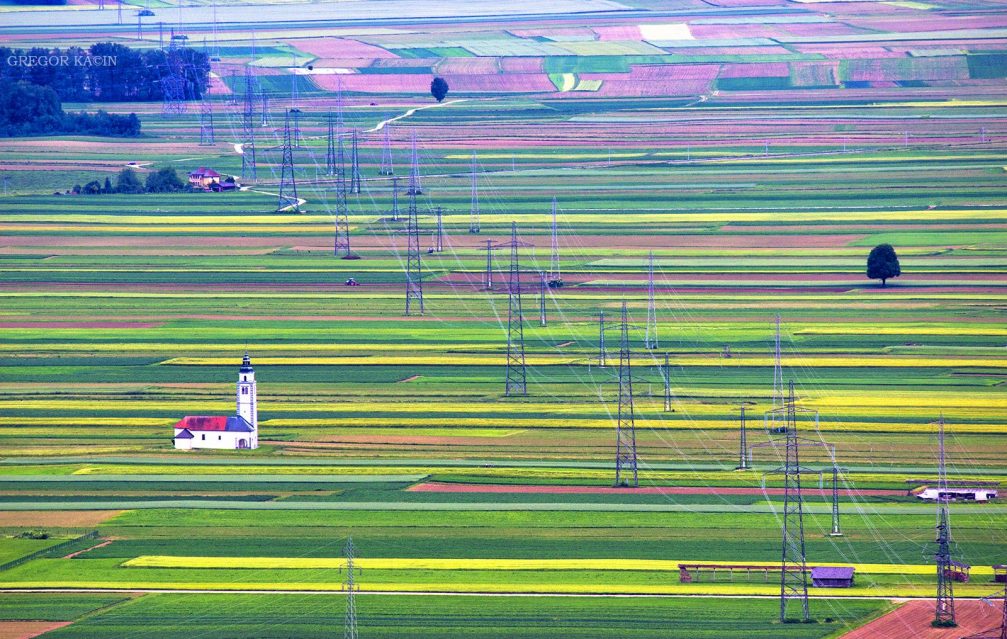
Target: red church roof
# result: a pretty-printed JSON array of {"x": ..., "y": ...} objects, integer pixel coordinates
[
  {"x": 202, "y": 172},
  {"x": 232, "y": 424},
  {"x": 202, "y": 422}
]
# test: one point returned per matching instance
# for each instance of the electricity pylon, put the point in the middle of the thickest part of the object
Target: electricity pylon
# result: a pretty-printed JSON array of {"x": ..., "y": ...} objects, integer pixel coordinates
[{"x": 626, "y": 473}]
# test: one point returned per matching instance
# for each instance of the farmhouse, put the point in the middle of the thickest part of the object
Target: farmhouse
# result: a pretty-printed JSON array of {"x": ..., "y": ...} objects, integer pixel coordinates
[
  {"x": 240, "y": 431},
  {"x": 209, "y": 180}
]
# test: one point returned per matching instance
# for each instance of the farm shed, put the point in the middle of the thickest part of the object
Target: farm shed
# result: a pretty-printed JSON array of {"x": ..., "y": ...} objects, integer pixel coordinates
[
  {"x": 1000, "y": 573},
  {"x": 832, "y": 576}
]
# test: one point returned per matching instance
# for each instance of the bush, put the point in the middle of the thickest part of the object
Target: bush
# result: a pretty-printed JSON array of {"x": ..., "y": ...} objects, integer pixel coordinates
[
  {"x": 128, "y": 182},
  {"x": 32, "y": 534}
]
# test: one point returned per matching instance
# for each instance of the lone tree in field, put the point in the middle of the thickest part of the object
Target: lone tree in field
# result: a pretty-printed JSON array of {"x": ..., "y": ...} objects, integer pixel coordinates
[
  {"x": 882, "y": 263},
  {"x": 439, "y": 88}
]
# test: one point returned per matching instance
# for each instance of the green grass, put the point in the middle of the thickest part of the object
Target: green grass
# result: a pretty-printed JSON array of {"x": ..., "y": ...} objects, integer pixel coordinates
[
  {"x": 240, "y": 616},
  {"x": 53, "y": 607}
]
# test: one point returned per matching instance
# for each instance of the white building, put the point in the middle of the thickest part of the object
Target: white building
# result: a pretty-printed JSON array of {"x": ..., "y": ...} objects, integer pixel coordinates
[
  {"x": 239, "y": 431},
  {"x": 959, "y": 493}
]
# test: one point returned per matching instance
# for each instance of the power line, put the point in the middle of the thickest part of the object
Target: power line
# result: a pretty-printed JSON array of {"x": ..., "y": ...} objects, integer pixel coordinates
[
  {"x": 414, "y": 268},
  {"x": 474, "y": 209},
  {"x": 650, "y": 340}
]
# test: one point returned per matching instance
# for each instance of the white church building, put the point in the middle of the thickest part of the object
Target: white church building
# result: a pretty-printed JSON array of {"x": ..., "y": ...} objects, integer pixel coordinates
[{"x": 239, "y": 431}]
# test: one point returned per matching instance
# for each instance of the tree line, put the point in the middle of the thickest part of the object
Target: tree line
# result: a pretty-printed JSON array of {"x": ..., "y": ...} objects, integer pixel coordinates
[
  {"x": 106, "y": 71},
  {"x": 164, "y": 180},
  {"x": 26, "y": 109}
]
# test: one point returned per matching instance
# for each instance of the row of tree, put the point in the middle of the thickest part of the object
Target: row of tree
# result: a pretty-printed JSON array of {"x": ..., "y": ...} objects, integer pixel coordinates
[
  {"x": 160, "y": 181},
  {"x": 26, "y": 109},
  {"x": 106, "y": 71}
]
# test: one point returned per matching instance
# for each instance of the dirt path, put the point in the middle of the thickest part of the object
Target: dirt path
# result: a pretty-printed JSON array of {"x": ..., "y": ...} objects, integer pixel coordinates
[
  {"x": 384, "y": 123},
  {"x": 81, "y": 552}
]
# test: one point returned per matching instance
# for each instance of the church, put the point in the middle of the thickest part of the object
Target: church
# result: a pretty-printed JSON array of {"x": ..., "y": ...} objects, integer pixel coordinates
[{"x": 237, "y": 432}]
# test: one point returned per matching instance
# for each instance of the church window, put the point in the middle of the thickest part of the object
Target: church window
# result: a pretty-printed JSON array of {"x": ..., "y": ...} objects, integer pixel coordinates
[
  {"x": 204, "y": 438},
  {"x": 244, "y": 390}
]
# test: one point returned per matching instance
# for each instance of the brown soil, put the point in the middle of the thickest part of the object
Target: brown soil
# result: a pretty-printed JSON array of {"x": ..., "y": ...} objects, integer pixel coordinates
[
  {"x": 28, "y": 629},
  {"x": 56, "y": 518},
  {"x": 912, "y": 621}
]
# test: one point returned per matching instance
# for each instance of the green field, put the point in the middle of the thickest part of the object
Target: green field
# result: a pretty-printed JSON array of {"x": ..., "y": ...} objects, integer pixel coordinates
[{"x": 754, "y": 154}]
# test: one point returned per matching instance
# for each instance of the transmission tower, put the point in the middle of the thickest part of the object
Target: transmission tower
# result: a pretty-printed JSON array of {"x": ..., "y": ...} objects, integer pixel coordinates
[
  {"x": 354, "y": 164},
  {"x": 743, "y": 444},
  {"x": 793, "y": 566},
  {"x": 837, "y": 531},
  {"x": 205, "y": 122},
  {"x": 555, "y": 277},
  {"x": 415, "y": 188},
  {"x": 667, "y": 384},
  {"x": 265, "y": 108},
  {"x": 543, "y": 287},
  {"x": 625, "y": 434},
  {"x": 350, "y": 622},
  {"x": 516, "y": 382},
  {"x": 173, "y": 83},
  {"x": 118, "y": 12},
  {"x": 488, "y": 276},
  {"x": 342, "y": 241},
  {"x": 101, "y": 5},
  {"x": 248, "y": 133},
  {"x": 394, "y": 213},
  {"x": 945, "y": 609},
  {"x": 330, "y": 147},
  {"x": 474, "y": 210},
  {"x": 438, "y": 246},
  {"x": 651, "y": 336},
  {"x": 778, "y": 400},
  {"x": 601, "y": 340},
  {"x": 288, "y": 201},
  {"x": 387, "y": 166},
  {"x": 414, "y": 272},
  {"x": 139, "y": 27}
]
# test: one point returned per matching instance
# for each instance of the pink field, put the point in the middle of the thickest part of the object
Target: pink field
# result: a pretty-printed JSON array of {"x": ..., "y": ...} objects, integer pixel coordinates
[
  {"x": 746, "y": 50},
  {"x": 648, "y": 88},
  {"x": 937, "y": 68},
  {"x": 502, "y": 83},
  {"x": 521, "y": 65},
  {"x": 341, "y": 48},
  {"x": 756, "y": 70},
  {"x": 377, "y": 83},
  {"x": 663, "y": 72},
  {"x": 625, "y": 33},
  {"x": 443, "y": 487}
]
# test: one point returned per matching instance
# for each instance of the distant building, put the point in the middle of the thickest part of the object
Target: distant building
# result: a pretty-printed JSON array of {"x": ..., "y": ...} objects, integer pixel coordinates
[
  {"x": 956, "y": 491},
  {"x": 832, "y": 576},
  {"x": 239, "y": 431},
  {"x": 204, "y": 178}
]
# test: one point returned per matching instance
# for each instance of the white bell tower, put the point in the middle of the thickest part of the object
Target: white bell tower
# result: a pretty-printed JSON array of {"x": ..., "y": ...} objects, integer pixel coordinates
[{"x": 247, "y": 403}]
